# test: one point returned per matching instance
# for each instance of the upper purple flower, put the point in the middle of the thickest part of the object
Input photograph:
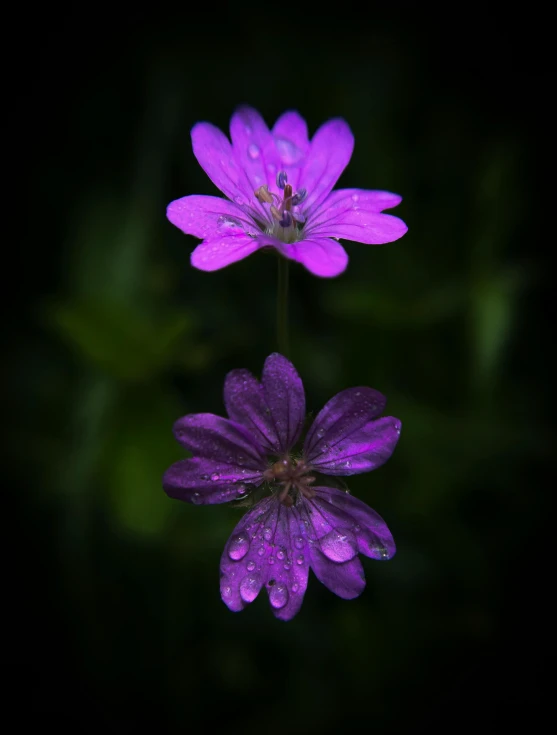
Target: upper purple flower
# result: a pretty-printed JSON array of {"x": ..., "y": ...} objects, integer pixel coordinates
[
  {"x": 303, "y": 523},
  {"x": 279, "y": 184}
]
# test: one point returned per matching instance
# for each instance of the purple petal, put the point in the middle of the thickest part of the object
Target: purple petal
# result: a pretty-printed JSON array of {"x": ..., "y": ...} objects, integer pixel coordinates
[
  {"x": 266, "y": 548},
  {"x": 330, "y": 150},
  {"x": 219, "y": 439},
  {"x": 340, "y": 418},
  {"x": 354, "y": 214},
  {"x": 360, "y": 451},
  {"x": 329, "y": 530},
  {"x": 208, "y": 217},
  {"x": 321, "y": 256},
  {"x": 372, "y": 534},
  {"x": 212, "y": 255},
  {"x": 345, "y": 580},
  {"x": 273, "y": 410},
  {"x": 291, "y": 140},
  {"x": 203, "y": 481},
  {"x": 212, "y": 149},
  {"x": 254, "y": 147}
]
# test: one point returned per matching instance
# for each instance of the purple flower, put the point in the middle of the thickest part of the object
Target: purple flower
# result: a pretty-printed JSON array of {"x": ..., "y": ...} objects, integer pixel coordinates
[
  {"x": 279, "y": 186},
  {"x": 303, "y": 523}
]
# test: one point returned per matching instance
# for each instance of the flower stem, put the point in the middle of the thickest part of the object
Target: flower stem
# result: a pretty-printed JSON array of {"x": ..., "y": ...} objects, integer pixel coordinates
[{"x": 282, "y": 306}]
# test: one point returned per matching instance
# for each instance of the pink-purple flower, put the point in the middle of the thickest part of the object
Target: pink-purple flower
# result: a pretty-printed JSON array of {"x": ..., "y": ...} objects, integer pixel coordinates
[
  {"x": 279, "y": 188},
  {"x": 303, "y": 523}
]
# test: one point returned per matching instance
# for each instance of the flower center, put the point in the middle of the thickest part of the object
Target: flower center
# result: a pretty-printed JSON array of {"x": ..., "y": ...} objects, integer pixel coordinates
[
  {"x": 293, "y": 478},
  {"x": 285, "y": 218}
]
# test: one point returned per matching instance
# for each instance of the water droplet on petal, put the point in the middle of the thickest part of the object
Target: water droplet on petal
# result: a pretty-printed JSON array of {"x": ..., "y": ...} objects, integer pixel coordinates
[
  {"x": 355, "y": 198},
  {"x": 299, "y": 542},
  {"x": 287, "y": 567},
  {"x": 338, "y": 546},
  {"x": 348, "y": 463},
  {"x": 196, "y": 499},
  {"x": 249, "y": 587},
  {"x": 205, "y": 477},
  {"x": 271, "y": 560},
  {"x": 241, "y": 490},
  {"x": 239, "y": 200},
  {"x": 281, "y": 554},
  {"x": 261, "y": 551},
  {"x": 288, "y": 152},
  {"x": 278, "y": 596},
  {"x": 253, "y": 151},
  {"x": 226, "y": 591},
  {"x": 267, "y": 533},
  {"x": 215, "y": 476},
  {"x": 320, "y": 432},
  {"x": 300, "y": 559},
  {"x": 295, "y": 587},
  {"x": 250, "y": 566},
  {"x": 238, "y": 547}
]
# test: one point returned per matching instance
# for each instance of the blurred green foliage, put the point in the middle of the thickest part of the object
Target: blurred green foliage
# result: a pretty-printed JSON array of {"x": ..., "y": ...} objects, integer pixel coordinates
[{"x": 125, "y": 338}]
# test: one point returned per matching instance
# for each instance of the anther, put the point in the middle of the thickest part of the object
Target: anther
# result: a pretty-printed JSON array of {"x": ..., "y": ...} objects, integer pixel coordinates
[
  {"x": 263, "y": 195},
  {"x": 281, "y": 179},
  {"x": 299, "y": 196}
]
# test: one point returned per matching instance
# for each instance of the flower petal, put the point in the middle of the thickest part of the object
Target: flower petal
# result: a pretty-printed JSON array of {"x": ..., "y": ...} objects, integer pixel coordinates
[
  {"x": 204, "y": 481},
  {"x": 219, "y": 439},
  {"x": 346, "y": 580},
  {"x": 321, "y": 256},
  {"x": 290, "y": 133},
  {"x": 214, "y": 153},
  {"x": 340, "y": 418},
  {"x": 208, "y": 217},
  {"x": 264, "y": 549},
  {"x": 330, "y": 150},
  {"x": 254, "y": 147},
  {"x": 214, "y": 254},
  {"x": 329, "y": 530},
  {"x": 360, "y": 451},
  {"x": 373, "y": 536},
  {"x": 354, "y": 214},
  {"x": 273, "y": 410}
]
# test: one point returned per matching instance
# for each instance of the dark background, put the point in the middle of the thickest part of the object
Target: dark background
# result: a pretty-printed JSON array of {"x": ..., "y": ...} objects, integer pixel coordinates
[{"x": 112, "y": 336}]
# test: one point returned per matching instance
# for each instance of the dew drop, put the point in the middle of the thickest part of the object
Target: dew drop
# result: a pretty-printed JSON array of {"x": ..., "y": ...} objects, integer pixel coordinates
[
  {"x": 196, "y": 499},
  {"x": 241, "y": 490},
  {"x": 205, "y": 477},
  {"x": 271, "y": 560},
  {"x": 253, "y": 151},
  {"x": 249, "y": 587},
  {"x": 295, "y": 587},
  {"x": 356, "y": 198},
  {"x": 261, "y": 551},
  {"x": 267, "y": 533},
  {"x": 226, "y": 591},
  {"x": 300, "y": 559},
  {"x": 281, "y": 554},
  {"x": 278, "y": 596},
  {"x": 250, "y": 566},
  {"x": 339, "y": 547},
  {"x": 215, "y": 476},
  {"x": 239, "y": 200},
  {"x": 238, "y": 547},
  {"x": 348, "y": 463},
  {"x": 320, "y": 432},
  {"x": 288, "y": 152},
  {"x": 299, "y": 542}
]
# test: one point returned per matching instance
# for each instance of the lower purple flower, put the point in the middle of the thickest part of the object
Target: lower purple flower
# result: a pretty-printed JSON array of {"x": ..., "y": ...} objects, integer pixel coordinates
[{"x": 303, "y": 523}]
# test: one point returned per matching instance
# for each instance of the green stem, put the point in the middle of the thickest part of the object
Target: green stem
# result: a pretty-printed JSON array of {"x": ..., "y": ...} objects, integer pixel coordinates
[{"x": 282, "y": 306}]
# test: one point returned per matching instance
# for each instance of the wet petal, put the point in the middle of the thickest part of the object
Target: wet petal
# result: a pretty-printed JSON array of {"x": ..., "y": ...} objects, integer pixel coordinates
[
  {"x": 321, "y": 256},
  {"x": 204, "y": 481},
  {"x": 290, "y": 134},
  {"x": 262, "y": 551},
  {"x": 329, "y": 530},
  {"x": 368, "y": 228},
  {"x": 344, "y": 415},
  {"x": 330, "y": 150},
  {"x": 212, "y": 255},
  {"x": 273, "y": 410},
  {"x": 253, "y": 147},
  {"x": 212, "y": 149},
  {"x": 373, "y": 536},
  {"x": 219, "y": 439},
  {"x": 359, "y": 451},
  {"x": 346, "y": 580},
  {"x": 208, "y": 217},
  {"x": 341, "y": 201}
]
